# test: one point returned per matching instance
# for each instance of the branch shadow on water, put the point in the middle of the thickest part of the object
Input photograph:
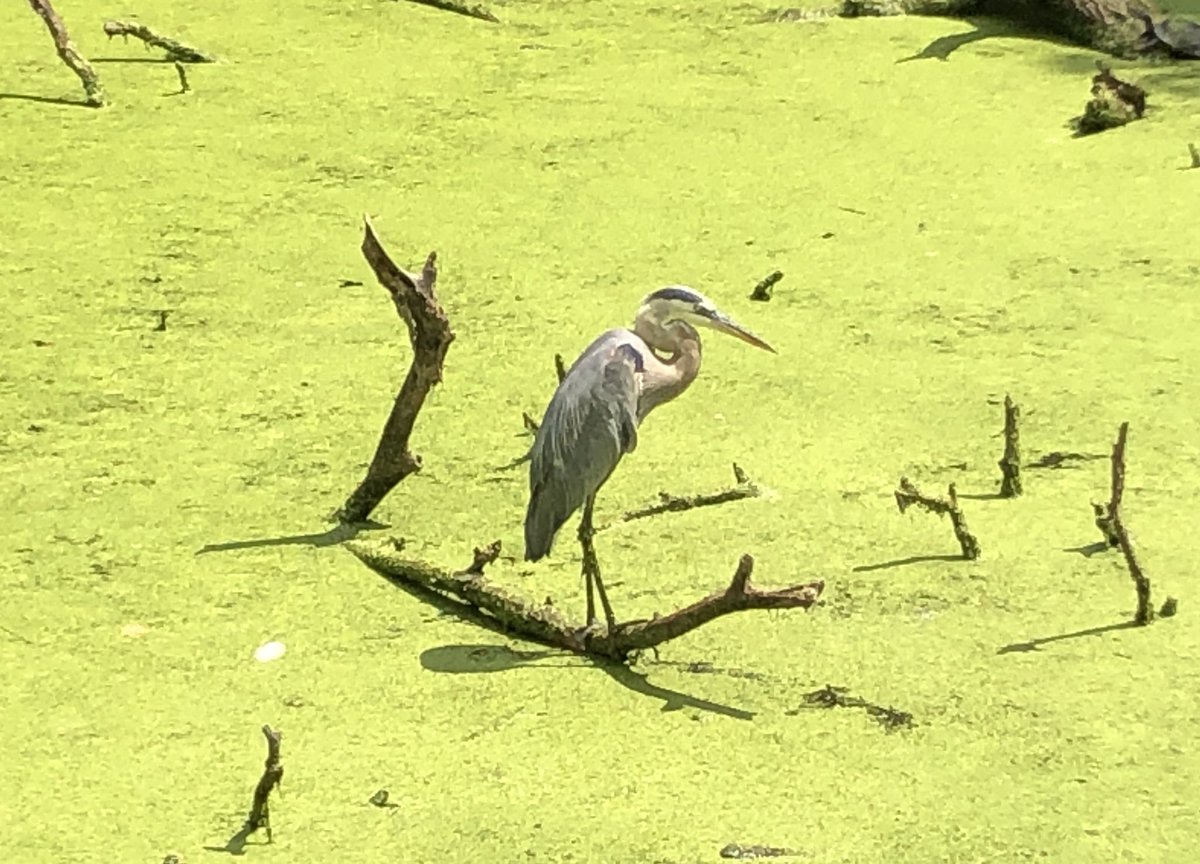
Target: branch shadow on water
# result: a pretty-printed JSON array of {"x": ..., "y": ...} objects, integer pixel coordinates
[
  {"x": 339, "y": 533},
  {"x": 235, "y": 845},
  {"x": 47, "y": 100},
  {"x": 901, "y": 562},
  {"x": 1035, "y": 644}
]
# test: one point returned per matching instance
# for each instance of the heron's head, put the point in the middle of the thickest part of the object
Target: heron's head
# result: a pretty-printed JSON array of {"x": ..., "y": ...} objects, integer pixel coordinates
[{"x": 681, "y": 303}]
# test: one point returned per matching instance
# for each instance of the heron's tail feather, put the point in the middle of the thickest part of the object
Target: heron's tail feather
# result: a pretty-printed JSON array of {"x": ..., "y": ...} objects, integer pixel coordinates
[{"x": 542, "y": 521}]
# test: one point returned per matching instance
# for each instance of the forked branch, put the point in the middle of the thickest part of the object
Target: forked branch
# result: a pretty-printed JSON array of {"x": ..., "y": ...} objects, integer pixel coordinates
[
  {"x": 542, "y": 622},
  {"x": 430, "y": 335},
  {"x": 1109, "y": 521},
  {"x": 908, "y": 495},
  {"x": 175, "y": 49}
]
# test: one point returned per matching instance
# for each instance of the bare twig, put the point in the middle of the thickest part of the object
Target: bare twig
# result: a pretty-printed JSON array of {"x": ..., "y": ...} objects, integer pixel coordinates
[
  {"x": 1109, "y": 521},
  {"x": 531, "y": 425},
  {"x": 175, "y": 49},
  {"x": 182, "y": 73},
  {"x": 560, "y": 368},
  {"x": 543, "y": 622},
  {"x": 460, "y": 9},
  {"x": 1194, "y": 152},
  {"x": 430, "y": 334},
  {"x": 762, "y": 291},
  {"x": 272, "y": 776},
  {"x": 1010, "y": 462},
  {"x": 669, "y": 503},
  {"x": 908, "y": 495},
  {"x": 69, "y": 54}
]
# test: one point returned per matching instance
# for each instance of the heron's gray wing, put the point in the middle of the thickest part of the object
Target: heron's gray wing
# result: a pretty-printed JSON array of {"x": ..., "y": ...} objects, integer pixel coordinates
[{"x": 590, "y": 424}]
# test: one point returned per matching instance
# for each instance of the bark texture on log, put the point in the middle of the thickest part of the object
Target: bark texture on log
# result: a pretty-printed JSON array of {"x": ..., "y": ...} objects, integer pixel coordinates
[{"x": 1124, "y": 28}]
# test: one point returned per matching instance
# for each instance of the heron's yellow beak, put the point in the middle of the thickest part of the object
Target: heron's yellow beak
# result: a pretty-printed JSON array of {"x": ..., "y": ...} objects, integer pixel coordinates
[{"x": 724, "y": 324}]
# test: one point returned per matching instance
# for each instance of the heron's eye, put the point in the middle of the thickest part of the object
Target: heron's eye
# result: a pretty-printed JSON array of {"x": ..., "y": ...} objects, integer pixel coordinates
[{"x": 704, "y": 310}]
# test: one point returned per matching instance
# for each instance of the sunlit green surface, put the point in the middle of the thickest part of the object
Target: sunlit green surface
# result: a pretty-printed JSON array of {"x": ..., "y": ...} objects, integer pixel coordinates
[{"x": 635, "y": 146}]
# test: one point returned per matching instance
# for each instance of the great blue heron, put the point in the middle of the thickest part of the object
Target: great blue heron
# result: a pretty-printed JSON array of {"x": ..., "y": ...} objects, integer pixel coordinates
[{"x": 592, "y": 420}]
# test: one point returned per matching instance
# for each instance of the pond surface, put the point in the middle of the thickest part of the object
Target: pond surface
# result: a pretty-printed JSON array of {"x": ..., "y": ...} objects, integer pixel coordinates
[{"x": 944, "y": 241}]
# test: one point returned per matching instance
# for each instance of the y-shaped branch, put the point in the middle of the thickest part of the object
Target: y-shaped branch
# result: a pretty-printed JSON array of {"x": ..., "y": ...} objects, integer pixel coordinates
[{"x": 430, "y": 334}]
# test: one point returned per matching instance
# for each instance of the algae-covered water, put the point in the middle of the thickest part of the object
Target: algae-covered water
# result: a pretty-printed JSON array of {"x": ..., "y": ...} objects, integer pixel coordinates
[{"x": 944, "y": 241}]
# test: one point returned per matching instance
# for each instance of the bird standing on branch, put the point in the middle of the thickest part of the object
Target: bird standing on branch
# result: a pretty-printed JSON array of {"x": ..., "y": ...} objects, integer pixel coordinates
[{"x": 593, "y": 417}]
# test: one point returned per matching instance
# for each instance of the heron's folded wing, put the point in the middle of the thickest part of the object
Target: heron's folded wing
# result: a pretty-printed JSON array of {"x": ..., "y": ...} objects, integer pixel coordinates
[{"x": 590, "y": 424}]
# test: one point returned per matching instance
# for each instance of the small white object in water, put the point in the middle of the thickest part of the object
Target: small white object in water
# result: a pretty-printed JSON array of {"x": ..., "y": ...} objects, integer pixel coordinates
[{"x": 269, "y": 651}]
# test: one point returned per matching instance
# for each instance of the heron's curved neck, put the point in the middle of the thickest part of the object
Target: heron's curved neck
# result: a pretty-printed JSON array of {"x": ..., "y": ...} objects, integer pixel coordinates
[{"x": 675, "y": 364}]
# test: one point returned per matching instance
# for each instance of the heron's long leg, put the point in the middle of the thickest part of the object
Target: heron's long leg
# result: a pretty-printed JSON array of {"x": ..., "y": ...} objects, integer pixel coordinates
[{"x": 591, "y": 569}]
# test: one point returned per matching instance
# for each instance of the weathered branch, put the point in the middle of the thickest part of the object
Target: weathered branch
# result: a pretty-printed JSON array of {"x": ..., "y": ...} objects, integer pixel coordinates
[
  {"x": 430, "y": 334},
  {"x": 460, "y": 9},
  {"x": 669, "y": 503},
  {"x": 272, "y": 776},
  {"x": 1010, "y": 462},
  {"x": 69, "y": 54},
  {"x": 1109, "y": 521},
  {"x": 1124, "y": 28},
  {"x": 560, "y": 368},
  {"x": 908, "y": 495},
  {"x": 176, "y": 50},
  {"x": 542, "y": 622},
  {"x": 762, "y": 291}
]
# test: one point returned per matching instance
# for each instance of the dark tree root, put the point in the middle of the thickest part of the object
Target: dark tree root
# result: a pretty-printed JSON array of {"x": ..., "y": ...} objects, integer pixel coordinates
[
  {"x": 176, "y": 50},
  {"x": 1010, "y": 462},
  {"x": 908, "y": 495},
  {"x": 69, "y": 54},
  {"x": 668, "y": 503},
  {"x": 460, "y": 9},
  {"x": 430, "y": 334},
  {"x": 1110, "y": 523},
  {"x": 543, "y": 623}
]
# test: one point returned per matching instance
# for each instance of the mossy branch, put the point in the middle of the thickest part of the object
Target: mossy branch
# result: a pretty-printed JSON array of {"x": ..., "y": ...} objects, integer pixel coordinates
[
  {"x": 176, "y": 50},
  {"x": 1109, "y": 521},
  {"x": 69, "y": 54},
  {"x": 743, "y": 488},
  {"x": 542, "y": 622},
  {"x": 908, "y": 495},
  {"x": 1010, "y": 462},
  {"x": 430, "y": 335}
]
